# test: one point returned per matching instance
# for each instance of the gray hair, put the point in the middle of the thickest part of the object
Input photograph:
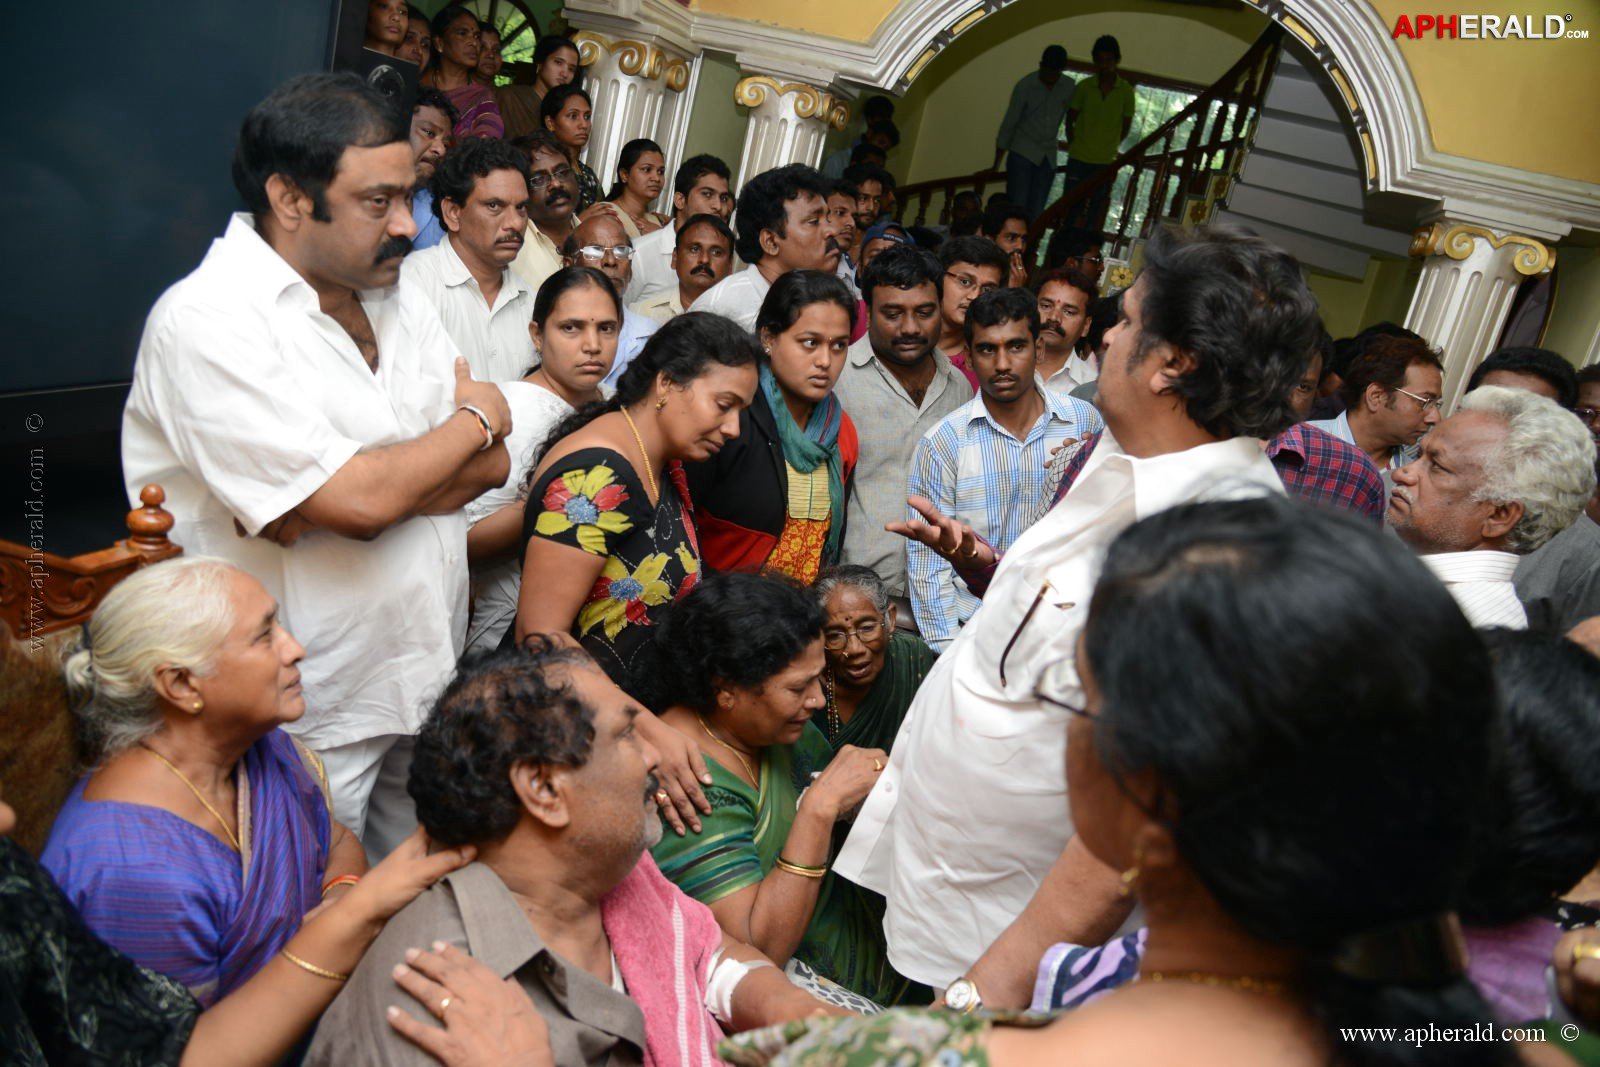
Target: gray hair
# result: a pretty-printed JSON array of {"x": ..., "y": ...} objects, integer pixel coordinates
[
  {"x": 172, "y": 614},
  {"x": 865, "y": 580},
  {"x": 1546, "y": 462}
]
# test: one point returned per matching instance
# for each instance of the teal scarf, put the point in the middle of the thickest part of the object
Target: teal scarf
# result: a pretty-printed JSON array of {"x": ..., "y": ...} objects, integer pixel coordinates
[{"x": 807, "y": 449}]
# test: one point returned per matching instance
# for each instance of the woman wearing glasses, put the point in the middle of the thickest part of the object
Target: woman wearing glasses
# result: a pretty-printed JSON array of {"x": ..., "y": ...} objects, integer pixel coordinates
[
  {"x": 775, "y": 499},
  {"x": 1296, "y": 829},
  {"x": 873, "y": 669},
  {"x": 739, "y": 667}
]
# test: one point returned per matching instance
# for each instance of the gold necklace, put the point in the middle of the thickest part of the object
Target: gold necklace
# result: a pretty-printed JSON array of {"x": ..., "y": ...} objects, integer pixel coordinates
[
  {"x": 754, "y": 777},
  {"x": 649, "y": 468},
  {"x": 233, "y": 838},
  {"x": 835, "y": 724},
  {"x": 1217, "y": 981}
]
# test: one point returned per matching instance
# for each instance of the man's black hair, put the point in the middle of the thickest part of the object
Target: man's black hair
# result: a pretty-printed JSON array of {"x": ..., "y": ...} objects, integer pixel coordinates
[
  {"x": 706, "y": 219},
  {"x": 1539, "y": 362},
  {"x": 472, "y": 158},
  {"x": 901, "y": 267},
  {"x": 428, "y": 96},
  {"x": 979, "y": 251},
  {"x": 888, "y": 129},
  {"x": 763, "y": 204},
  {"x": 691, "y": 170},
  {"x": 996, "y": 217},
  {"x": 999, "y": 306}
]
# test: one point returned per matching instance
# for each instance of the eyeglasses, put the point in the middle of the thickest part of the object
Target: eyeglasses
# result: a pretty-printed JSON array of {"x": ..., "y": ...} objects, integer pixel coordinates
[
  {"x": 1092, "y": 257},
  {"x": 543, "y": 178},
  {"x": 596, "y": 253},
  {"x": 1059, "y": 686},
  {"x": 966, "y": 283},
  {"x": 867, "y": 632},
  {"x": 1588, "y": 415},
  {"x": 1434, "y": 402}
]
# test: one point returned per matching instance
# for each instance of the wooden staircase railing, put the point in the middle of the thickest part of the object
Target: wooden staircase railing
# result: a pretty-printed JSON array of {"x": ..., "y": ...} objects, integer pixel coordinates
[{"x": 1224, "y": 119}]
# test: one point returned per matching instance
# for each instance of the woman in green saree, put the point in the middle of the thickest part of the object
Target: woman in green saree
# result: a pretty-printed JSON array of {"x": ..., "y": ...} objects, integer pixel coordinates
[
  {"x": 873, "y": 669},
  {"x": 738, "y": 671}
]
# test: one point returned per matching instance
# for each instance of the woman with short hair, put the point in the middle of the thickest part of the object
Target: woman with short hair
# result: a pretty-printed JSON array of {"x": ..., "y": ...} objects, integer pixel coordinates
[
  {"x": 737, "y": 668},
  {"x": 873, "y": 669}
]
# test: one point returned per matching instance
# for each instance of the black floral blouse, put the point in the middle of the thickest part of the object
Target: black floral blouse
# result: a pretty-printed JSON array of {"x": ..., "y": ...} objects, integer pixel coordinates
[
  {"x": 68, "y": 997},
  {"x": 592, "y": 500}
]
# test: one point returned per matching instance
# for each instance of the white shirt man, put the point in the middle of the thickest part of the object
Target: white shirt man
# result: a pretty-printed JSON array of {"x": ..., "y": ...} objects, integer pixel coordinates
[
  {"x": 495, "y": 339},
  {"x": 737, "y": 297},
  {"x": 1495, "y": 481},
  {"x": 971, "y": 814}
]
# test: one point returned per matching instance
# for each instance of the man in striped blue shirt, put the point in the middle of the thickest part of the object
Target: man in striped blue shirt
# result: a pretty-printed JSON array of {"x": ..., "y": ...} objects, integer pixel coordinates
[{"x": 985, "y": 462}]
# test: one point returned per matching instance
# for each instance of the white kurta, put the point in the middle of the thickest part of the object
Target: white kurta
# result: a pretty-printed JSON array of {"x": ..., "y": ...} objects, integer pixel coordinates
[
  {"x": 246, "y": 399},
  {"x": 737, "y": 297},
  {"x": 495, "y": 339},
  {"x": 972, "y": 811}
]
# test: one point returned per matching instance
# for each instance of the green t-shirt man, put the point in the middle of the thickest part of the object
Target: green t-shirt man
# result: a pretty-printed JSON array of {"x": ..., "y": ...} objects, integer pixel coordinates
[{"x": 1099, "y": 118}]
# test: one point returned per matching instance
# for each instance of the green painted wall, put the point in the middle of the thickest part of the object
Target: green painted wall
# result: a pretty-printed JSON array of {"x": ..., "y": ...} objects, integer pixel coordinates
[
  {"x": 716, "y": 124},
  {"x": 951, "y": 112},
  {"x": 1575, "y": 320},
  {"x": 1383, "y": 293}
]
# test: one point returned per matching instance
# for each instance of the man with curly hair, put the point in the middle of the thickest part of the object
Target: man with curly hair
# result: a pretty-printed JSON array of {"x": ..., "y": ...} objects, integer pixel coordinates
[{"x": 532, "y": 756}]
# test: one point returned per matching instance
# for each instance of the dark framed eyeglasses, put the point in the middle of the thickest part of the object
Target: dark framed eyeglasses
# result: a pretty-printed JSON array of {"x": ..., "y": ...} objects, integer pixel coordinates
[
  {"x": 1059, "y": 686},
  {"x": 542, "y": 179},
  {"x": 868, "y": 632}
]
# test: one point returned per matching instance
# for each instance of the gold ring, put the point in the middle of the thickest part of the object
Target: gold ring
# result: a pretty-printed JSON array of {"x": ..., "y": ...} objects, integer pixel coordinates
[
  {"x": 1585, "y": 951},
  {"x": 444, "y": 1006},
  {"x": 662, "y": 798},
  {"x": 877, "y": 764}
]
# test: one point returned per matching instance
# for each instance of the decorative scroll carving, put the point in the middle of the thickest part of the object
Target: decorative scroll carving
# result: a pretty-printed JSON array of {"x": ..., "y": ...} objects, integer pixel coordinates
[
  {"x": 636, "y": 59},
  {"x": 1533, "y": 257},
  {"x": 41, "y": 593},
  {"x": 809, "y": 101}
]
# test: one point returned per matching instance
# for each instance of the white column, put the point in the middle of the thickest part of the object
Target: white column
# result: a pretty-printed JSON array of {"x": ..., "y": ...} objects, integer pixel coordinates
[
  {"x": 629, "y": 81},
  {"x": 1470, "y": 274},
  {"x": 788, "y": 122}
]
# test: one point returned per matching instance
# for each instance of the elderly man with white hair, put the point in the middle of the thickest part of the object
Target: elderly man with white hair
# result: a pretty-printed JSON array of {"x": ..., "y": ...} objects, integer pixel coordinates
[{"x": 1496, "y": 480}]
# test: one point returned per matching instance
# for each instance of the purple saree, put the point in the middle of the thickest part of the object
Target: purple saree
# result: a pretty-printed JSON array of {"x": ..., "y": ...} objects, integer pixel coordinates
[{"x": 180, "y": 901}]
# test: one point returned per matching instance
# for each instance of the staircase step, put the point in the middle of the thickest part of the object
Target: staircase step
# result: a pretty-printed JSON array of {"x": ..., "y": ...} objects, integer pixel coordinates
[
  {"x": 1316, "y": 217},
  {"x": 1333, "y": 185},
  {"x": 1314, "y": 143},
  {"x": 1313, "y": 251}
]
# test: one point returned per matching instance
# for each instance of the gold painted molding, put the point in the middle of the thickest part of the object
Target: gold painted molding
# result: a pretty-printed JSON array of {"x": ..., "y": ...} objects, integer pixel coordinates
[
  {"x": 636, "y": 59},
  {"x": 1533, "y": 256},
  {"x": 810, "y": 102}
]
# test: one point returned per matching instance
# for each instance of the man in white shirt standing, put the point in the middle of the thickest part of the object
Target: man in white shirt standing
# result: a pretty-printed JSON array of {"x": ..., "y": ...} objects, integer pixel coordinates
[
  {"x": 968, "y": 828},
  {"x": 480, "y": 193},
  {"x": 700, "y": 187},
  {"x": 311, "y": 423},
  {"x": 1496, "y": 480},
  {"x": 783, "y": 225}
]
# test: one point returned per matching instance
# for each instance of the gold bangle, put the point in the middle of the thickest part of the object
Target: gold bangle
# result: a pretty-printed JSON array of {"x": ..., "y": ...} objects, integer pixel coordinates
[
  {"x": 320, "y": 972},
  {"x": 800, "y": 869}
]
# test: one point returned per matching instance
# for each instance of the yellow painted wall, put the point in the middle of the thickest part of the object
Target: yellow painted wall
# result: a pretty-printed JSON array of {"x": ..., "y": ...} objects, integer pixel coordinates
[
  {"x": 953, "y": 109},
  {"x": 1349, "y": 306},
  {"x": 716, "y": 124},
  {"x": 1576, "y": 318},
  {"x": 1529, "y": 104},
  {"x": 851, "y": 20}
]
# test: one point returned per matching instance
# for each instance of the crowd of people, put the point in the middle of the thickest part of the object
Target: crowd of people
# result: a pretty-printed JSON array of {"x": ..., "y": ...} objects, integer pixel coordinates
[{"x": 761, "y": 633}]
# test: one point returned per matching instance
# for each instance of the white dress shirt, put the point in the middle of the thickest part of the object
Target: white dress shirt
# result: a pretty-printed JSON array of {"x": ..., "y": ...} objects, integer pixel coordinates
[
  {"x": 1481, "y": 583},
  {"x": 737, "y": 297},
  {"x": 652, "y": 265},
  {"x": 246, "y": 399},
  {"x": 535, "y": 411},
  {"x": 1076, "y": 371},
  {"x": 495, "y": 340},
  {"x": 971, "y": 811},
  {"x": 635, "y": 330}
]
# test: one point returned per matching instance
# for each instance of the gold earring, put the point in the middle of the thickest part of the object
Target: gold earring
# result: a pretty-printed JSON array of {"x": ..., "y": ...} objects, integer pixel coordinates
[
  {"x": 661, "y": 402},
  {"x": 198, "y": 705},
  {"x": 1131, "y": 875}
]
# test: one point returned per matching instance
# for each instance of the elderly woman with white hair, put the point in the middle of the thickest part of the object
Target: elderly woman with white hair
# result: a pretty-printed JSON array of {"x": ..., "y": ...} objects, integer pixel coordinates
[{"x": 202, "y": 835}]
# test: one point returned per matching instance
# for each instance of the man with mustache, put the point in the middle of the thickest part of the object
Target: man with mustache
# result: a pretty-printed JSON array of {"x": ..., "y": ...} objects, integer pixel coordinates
[
  {"x": 972, "y": 266},
  {"x": 312, "y": 423},
  {"x": 783, "y": 225},
  {"x": 986, "y": 460},
  {"x": 552, "y": 201},
  {"x": 700, "y": 187},
  {"x": 600, "y": 242},
  {"x": 1065, "y": 296},
  {"x": 532, "y": 756},
  {"x": 702, "y": 258},
  {"x": 480, "y": 193},
  {"x": 1495, "y": 481},
  {"x": 896, "y": 388},
  {"x": 433, "y": 116}
]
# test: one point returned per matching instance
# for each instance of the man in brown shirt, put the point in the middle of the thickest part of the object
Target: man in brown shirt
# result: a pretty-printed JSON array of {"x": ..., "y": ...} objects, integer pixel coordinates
[{"x": 533, "y": 757}]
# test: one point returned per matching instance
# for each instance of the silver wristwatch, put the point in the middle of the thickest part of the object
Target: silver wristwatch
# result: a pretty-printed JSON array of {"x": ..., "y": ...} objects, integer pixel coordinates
[{"x": 962, "y": 996}]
